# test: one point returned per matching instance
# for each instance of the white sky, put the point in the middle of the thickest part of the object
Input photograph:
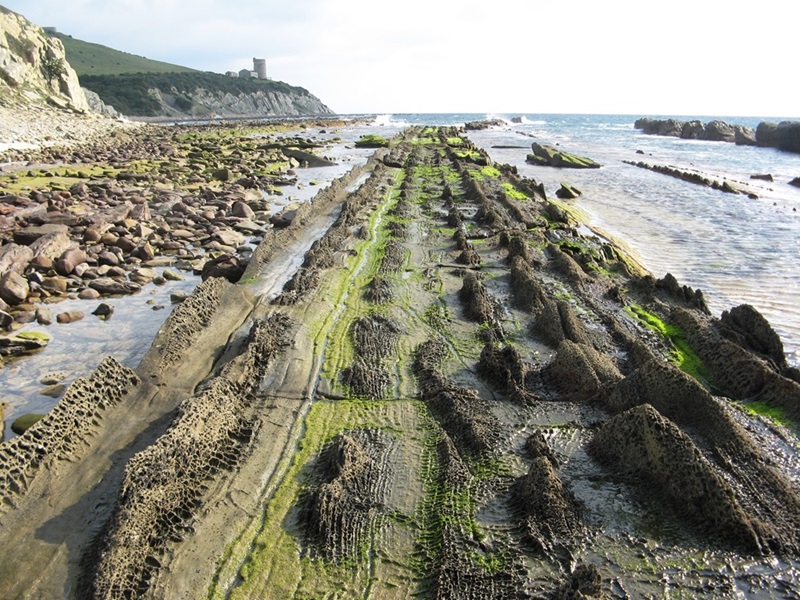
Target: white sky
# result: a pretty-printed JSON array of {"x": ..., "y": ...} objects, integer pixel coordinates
[{"x": 699, "y": 57}]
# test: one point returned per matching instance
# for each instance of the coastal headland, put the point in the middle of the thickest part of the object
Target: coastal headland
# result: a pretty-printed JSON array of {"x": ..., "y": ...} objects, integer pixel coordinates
[{"x": 430, "y": 381}]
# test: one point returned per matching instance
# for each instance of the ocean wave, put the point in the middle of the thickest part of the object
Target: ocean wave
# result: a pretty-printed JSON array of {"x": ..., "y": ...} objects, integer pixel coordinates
[
  {"x": 522, "y": 119},
  {"x": 389, "y": 120},
  {"x": 527, "y": 121}
]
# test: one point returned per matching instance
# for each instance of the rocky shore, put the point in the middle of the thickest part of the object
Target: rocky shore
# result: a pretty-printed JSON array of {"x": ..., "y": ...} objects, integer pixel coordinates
[
  {"x": 32, "y": 127},
  {"x": 432, "y": 380},
  {"x": 115, "y": 206}
]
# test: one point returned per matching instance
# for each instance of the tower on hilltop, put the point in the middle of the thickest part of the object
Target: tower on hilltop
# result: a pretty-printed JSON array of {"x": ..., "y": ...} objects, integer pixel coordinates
[{"x": 260, "y": 67}]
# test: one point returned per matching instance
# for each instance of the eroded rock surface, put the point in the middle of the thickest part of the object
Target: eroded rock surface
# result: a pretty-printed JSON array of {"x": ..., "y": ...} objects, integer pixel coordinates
[{"x": 431, "y": 383}]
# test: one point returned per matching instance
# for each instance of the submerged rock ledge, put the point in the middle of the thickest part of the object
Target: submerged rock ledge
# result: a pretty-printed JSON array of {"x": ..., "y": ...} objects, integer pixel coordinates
[{"x": 455, "y": 394}]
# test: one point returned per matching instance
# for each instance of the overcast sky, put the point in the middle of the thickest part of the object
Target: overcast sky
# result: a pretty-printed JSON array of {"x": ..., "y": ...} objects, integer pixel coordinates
[{"x": 698, "y": 57}]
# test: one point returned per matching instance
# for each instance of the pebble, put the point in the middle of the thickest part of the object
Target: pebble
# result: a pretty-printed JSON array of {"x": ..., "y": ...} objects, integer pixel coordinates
[
  {"x": 103, "y": 311},
  {"x": 171, "y": 275},
  {"x": 70, "y": 316},
  {"x": 89, "y": 294},
  {"x": 53, "y": 391},
  {"x": 53, "y": 378},
  {"x": 44, "y": 316}
]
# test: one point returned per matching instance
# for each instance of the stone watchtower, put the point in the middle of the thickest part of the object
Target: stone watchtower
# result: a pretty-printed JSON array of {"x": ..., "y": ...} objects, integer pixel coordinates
[{"x": 260, "y": 67}]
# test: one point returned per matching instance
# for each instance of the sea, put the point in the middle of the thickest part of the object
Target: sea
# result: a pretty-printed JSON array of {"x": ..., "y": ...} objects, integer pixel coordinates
[{"x": 736, "y": 249}]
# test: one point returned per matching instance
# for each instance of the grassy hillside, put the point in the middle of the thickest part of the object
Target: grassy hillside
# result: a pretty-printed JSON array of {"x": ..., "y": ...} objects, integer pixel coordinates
[
  {"x": 95, "y": 59},
  {"x": 128, "y": 93},
  {"x": 124, "y": 80}
]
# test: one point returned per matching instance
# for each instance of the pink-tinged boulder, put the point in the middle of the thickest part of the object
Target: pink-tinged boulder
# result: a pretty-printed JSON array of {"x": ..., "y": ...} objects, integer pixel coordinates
[
  {"x": 107, "y": 258},
  {"x": 228, "y": 237},
  {"x": 91, "y": 235},
  {"x": 88, "y": 294},
  {"x": 69, "y": 259},
  {"x": 242, "y": 210},
  {"x": 52, "y": 245},
  {"x": 126, "y": 244},
  {"x": 14, "y": 288},
  {"x": 57, "y": 285},
  {"x": 109, "y": 239},
  {"x": 41, "y": 263},
  {"x": 14, "y": 257},
  {"x": 70, "y": 316},
  {"x": 30, "y": 234}
]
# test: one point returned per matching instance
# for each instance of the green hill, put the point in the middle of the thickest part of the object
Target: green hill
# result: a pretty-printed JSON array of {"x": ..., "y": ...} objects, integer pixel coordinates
[
  {"x": 139, "y": 87},
  {"x": 129, "y": 93},
  {"x": 95, "y": 59}
]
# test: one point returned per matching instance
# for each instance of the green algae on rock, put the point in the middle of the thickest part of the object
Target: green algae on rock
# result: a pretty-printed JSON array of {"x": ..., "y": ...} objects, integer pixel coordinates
[
  {"x": 550, "y": 156},
  {"x": 24, "y": 422},
  {"x": 372, "y": 141}
]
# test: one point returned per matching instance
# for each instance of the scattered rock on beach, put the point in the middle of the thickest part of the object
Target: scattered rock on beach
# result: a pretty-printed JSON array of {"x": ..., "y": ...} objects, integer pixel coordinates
[
  {"x": 44, "y": 316},
  {"x": 55, "y": 390},
  {"x": 103, "y": 311},
  {"x": 112, "y": 287},
  {"x": 69, "y": 316},
  {"x": 14, "y": 288},
  {"x": 24, "y": 422}
]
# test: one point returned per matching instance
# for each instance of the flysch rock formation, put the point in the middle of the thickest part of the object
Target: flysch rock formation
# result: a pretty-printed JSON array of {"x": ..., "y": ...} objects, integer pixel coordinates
[
  {"x": 438, "y": 401},
  {"x": 210, "y": 103}
]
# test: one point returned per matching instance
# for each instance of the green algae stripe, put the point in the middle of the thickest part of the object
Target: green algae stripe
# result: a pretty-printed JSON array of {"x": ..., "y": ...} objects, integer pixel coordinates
[
  {"x": 682, "y": 354},
  {"x": 277, "y": 567}
]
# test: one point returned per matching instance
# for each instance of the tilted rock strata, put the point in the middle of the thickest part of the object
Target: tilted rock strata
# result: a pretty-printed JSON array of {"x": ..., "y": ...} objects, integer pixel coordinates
[
  {"x": 205, "y": 103},
  {"x": 353, "y": 473},
  {"x": 695, "y": 177},
  {"x": 653, "y": 451},
  {"x": 163, "y": 484},
  {"x": 461, "y": 412},
  {"x": 62, "y": 434},
  {"x": 740, "y": 373},
  {"x": 553, "y": 157},
  {"x": 551, "y": 516}
]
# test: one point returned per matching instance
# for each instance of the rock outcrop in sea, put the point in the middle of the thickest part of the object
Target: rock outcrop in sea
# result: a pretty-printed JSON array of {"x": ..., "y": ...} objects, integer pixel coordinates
[
  {"x": 784, "y": 135},
  {"x": 553, "y": 157}
]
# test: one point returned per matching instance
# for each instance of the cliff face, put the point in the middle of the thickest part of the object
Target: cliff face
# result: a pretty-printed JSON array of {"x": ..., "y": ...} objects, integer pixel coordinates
[
  {"x": 33, "y": 66},
  {"x": 203, "y": 102}
]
